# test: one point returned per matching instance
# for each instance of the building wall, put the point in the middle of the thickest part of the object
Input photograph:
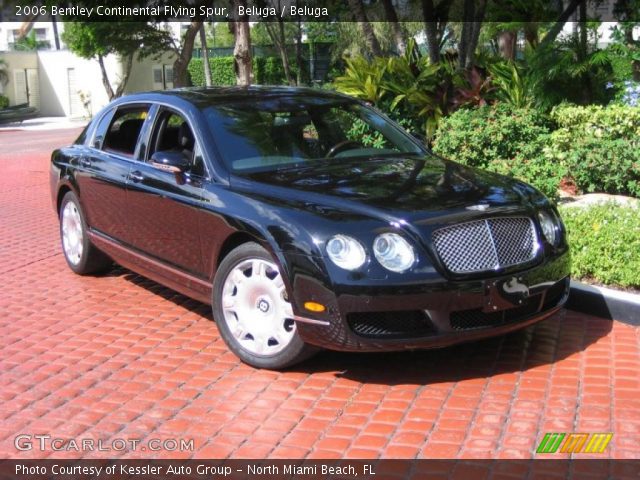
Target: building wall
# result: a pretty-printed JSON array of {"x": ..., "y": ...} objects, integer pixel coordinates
[
  {"x": 61, "y": 96},
  {"x": 16, "y": 62},
  {"x": 143, "y": 78},
  {"x": 43, "y": 30}
]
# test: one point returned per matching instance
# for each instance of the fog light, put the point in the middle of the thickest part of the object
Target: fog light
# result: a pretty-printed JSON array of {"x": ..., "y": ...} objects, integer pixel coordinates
[{"x": 314, "y": 307}]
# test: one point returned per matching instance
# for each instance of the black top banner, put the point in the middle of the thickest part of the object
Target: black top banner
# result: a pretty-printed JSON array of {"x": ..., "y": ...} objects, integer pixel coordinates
[{"x": 326, "y": 10}]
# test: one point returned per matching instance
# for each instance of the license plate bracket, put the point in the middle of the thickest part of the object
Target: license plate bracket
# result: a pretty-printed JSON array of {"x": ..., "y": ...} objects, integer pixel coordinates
[{"x": 504, "y": 293}]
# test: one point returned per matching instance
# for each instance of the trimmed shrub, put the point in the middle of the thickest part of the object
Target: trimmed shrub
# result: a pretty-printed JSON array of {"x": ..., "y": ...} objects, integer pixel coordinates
[
  {"x": 222, "y": 72},
  {"x": 4, "y": 101},
  {"x": 503, "y": 139},
  {"x": 599, "y": 147},
  {"x": 605, "y": 241},
  {"x": 266, "y": 71}
]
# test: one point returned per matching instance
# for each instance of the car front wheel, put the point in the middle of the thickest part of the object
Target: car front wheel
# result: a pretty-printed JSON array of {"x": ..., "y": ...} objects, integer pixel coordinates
[
  {"x": 252, "y": 310},
  {"x": 82, "y": 257}
]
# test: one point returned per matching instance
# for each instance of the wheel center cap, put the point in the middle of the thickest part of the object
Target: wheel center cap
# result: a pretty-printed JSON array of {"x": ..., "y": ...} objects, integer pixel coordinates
[{"x": 263, "y": 305}]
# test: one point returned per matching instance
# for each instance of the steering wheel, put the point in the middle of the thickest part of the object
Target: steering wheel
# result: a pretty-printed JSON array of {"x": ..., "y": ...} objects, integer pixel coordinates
[{"x": 333, "y": 151}]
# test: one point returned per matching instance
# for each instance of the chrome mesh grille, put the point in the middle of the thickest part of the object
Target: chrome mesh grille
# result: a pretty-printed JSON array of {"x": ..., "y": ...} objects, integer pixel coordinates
[{"x": 487, "y": 244}]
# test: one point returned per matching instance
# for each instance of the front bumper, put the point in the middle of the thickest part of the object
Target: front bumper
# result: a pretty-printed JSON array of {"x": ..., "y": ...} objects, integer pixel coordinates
[{"x": 428, "y": 315}]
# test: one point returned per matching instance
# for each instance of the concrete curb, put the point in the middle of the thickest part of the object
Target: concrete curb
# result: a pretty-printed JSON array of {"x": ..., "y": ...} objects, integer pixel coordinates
[{"x": 605, "y": 302}]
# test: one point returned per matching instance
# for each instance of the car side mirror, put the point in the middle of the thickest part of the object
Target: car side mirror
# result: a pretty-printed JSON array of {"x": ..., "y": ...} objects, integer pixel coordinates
[{"x": 174, "y": 162}]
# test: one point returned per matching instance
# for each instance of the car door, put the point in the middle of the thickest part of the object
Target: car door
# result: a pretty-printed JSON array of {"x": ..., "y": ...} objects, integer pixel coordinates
[
  {"x": 103, "y": 169},
  {"x": 163, "y": 206}
]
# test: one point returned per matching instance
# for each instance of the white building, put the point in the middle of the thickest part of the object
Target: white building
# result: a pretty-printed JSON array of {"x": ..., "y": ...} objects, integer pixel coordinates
[{"x": 59, "y": 83}]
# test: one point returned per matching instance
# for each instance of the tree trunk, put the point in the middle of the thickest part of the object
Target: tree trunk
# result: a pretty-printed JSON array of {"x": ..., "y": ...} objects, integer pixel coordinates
[
  {"x": 559, "y": 25},
  {"x": 205, "y": 57},
  {"x": 242, "y": 47},
  {"x": 125, "y": 75},
  {"x": 302, "y": 68},
  {"x": 284, "y": 55},
  {"x": 475, "y": 34},
  {"x": 105, "y": 78},
  {"x": 184, "y": 55},
  {"x": 583, "y": 53},
  {"x": 56, "y": 35},
  {"x": 433, "y": 43},
  {"x": 531, "y": 34},
  {"x": 398, "y": 34},
  {"x": 507, "y": 44},
  {"x": 26, "y": 26},
  {"x": 468, "y": 14},
  {"x": 370, "y": 39},
  {"x": 473, "y": 15}
]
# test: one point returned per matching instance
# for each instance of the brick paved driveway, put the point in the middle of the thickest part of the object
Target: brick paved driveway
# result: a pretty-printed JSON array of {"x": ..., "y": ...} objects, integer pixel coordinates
[{"x": 119, "y": 356}]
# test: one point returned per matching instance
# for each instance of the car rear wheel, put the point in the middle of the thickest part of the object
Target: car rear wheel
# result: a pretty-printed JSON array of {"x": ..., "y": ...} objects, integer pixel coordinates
[
  {"x": 252, "y": 310},
  {"x": 82, "y": 257}
]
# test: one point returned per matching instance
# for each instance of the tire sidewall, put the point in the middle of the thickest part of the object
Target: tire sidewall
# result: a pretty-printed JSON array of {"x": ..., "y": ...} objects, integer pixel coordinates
[
  {"x": 294, "y": 352},
  {"x": 82, "y": 265}
]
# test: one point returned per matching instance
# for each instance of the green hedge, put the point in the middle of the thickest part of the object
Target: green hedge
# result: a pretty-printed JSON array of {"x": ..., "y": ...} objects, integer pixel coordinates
[
  {"x": 4, "y": 101},
  {"x": 266, "y": 71},
  {"x": 596, "y": 147},
  {"x": 222, "y": 72},
  {"x": 502, "y": 139},
  {"x": 605, "y": 241},
  {"x": 599, "y": 146}
]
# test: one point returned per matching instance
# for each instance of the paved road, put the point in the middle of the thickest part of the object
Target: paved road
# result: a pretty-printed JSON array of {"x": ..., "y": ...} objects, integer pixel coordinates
[{"x": 120, "y": 357}]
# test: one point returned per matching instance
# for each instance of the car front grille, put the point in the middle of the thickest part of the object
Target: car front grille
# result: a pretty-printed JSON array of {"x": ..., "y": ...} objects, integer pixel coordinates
[
  {"x": 400, "y": 324},
  {"x": 483, "y": 245},
  {"x": 476, "y": 318}
]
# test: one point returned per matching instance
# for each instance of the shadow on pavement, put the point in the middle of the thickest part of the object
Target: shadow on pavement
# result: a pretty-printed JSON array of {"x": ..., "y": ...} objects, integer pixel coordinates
[{"x": 558, "y": 337}]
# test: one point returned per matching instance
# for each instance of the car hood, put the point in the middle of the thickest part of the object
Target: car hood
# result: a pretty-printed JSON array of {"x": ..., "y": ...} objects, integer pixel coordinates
[{"x": 408, "y": 188}]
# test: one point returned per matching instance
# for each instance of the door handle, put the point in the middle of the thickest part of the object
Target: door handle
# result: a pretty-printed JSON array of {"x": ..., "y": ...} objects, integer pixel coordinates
[
  {"x": 136, "y": 176},
  {"x": 85, "y": 162}
]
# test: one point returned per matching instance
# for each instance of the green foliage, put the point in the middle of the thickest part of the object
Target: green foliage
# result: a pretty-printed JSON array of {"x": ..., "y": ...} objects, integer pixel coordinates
[
  {"x": 605, "y": 241},
  {"x": 222, "y": 72},
  {"x": 512, "y": 85},
  {"x": 4, "y": 101},
  {"x": 266, "y": 71},
  {"x": 30, "y": 43},
  {"x": 364, "y": 79},
  {"x": 93, "y": 39},
  {"x": 559, "y": 73},
  {"x": 219, "y": 35},
  {"x": 599, "y": 147},
  {"x": 363, "y": 133},
  {"x": 407, "y": 87},
  {"x": 502, "y": 139}
]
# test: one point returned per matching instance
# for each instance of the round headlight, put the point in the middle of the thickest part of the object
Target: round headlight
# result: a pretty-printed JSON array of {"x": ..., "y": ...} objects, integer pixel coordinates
[
  {"x": 550, "y": 228},
  {"x": 393, "y": 252},
  {"x": 346, "y": 252}
]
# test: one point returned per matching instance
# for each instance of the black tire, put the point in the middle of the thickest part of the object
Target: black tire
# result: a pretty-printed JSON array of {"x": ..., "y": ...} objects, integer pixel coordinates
[
  {"x": 293, "y": 351},
  {"x": 89, "y": 259}
]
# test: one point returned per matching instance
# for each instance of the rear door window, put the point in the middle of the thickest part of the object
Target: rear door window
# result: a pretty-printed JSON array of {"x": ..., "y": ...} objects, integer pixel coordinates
[{"x": 124, "y": 130}]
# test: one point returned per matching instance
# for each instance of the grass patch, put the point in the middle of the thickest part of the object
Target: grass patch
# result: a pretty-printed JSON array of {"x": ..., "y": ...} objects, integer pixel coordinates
[{"x": 605, "y": 244}]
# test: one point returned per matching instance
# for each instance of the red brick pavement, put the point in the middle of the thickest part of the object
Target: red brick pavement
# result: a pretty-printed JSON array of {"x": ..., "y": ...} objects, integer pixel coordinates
[{"x": 120, "y": 357}]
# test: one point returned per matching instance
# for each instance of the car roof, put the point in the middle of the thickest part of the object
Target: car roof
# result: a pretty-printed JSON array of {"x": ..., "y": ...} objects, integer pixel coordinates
[{"x": 206, "y": 96}]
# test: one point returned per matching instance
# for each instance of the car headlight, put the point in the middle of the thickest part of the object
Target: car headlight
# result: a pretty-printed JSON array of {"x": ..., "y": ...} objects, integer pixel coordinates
[
  {"x": 346, "y": 252},
  {"x": 393, "y": 252},
  {"x": 550, "y": 227}
]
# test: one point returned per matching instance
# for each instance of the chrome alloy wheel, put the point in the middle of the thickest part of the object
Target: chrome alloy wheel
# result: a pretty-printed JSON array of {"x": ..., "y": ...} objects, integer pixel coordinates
[
  {"x": 72, "y": 234},
  {"x": 256, "y": 308}
]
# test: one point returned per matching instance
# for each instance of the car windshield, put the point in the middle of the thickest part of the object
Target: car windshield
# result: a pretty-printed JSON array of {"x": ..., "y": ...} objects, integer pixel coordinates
[{"x": 295, "y": 131}]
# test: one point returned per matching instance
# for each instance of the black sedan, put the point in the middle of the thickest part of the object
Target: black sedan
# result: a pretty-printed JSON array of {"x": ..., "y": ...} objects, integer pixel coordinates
[{"x": 306, "y": 219}]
